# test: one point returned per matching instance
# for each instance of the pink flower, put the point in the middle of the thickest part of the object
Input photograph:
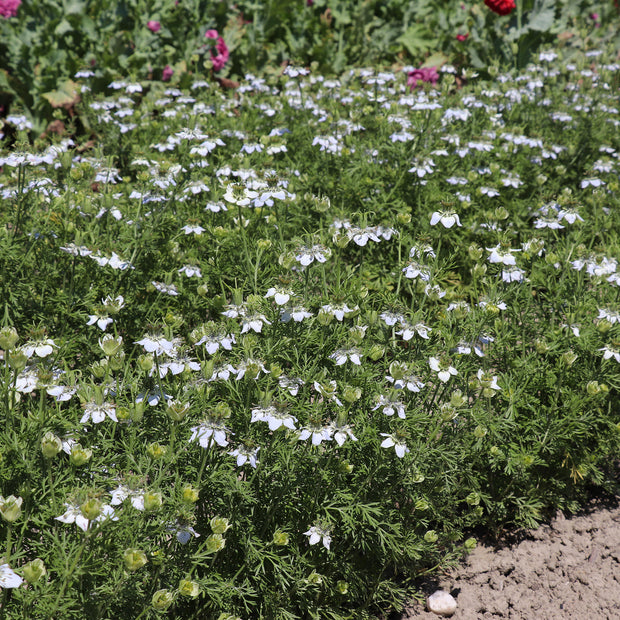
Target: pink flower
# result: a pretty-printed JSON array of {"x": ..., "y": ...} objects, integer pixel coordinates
[
  {"x": 153, "y": 26},
  {"x": 211, "y": 34},
  {"x": 221, "y": 58},
  {"x": 8, "y": 8},
  {"x": 424, "y": 74},
  {"x": 462, "y": 37},
  {"x": 167, "y": 73}
]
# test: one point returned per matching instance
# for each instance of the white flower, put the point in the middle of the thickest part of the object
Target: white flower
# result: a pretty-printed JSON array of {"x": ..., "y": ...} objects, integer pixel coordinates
[
  {"x": 609, "y": 352},
  {"x": 487, "y": 381},
  {"x": 513, "y": 274},
  {"x": 275, "y": 418},
  {"x": 443, "y": 371},
  {"x": 168, "y": 289},
  {"x": 391, "y": 440},
  {"x": 102, "y": 321},
  {"x": 210, "y": 432},
  {"x": 253, "y": 322},
  {"x": 341, "y": 433},
  {"x": 297, "y": 313},
  {"x": 447, "y": 219},
  {"x": 340, "y": 356},
  {"x": 502, "y": 255},
  {"x": 390, "y": 406},
  {"x": 97, "y": 413},
  {"x": 42, "y": 348},
  {"x": 121, "y": 493},
  {"x": 613, "y": 316},
  {"x": 196, "y": 230},
  {"x": 338, "y": 311},
  {"x": 245, "y": 455},
  {"x": 306, "y": 255},
  {"x": 415, "y": 270},
  {"x": 317, "y": 533},
  {"x": 280, "y": 296},
  {"x": 156, "y": 344},
  {"x": 73, "y": 514},
  {"x": 190, "y": 271},
  {"x": 317, "y": 432},
  {"x": 9, "y": 578}
]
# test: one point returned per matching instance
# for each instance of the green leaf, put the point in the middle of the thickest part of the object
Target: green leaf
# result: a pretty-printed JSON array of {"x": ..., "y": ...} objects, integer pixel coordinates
[
  {"x": 435, "y": 60},
  {"x": 417, "y": 39},
  {"x": 65, "y": 96},
  {"x": 542, "y": 16},
  {"x": 63, "y": 27}
]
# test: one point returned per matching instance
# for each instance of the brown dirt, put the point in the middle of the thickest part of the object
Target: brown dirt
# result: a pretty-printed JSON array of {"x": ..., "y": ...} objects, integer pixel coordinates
[{"x": 568, "y": 569}]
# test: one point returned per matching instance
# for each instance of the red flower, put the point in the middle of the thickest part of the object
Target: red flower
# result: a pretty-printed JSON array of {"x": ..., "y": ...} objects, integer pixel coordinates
[
  {"x": 153, "y": 26},
  {"x": 501, "y": 7},
  {"x": 462, "y": 37}
]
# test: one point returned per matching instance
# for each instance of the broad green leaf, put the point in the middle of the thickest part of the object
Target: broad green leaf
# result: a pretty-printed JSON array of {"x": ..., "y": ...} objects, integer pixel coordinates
[
  {"x": 65, "y": 96},
  {"x": 417, "y": 39},
  {"x": 435, "y": 60}
]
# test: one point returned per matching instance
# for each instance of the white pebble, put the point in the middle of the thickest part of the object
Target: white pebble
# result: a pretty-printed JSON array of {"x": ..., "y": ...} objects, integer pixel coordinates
[{"x": 441, "y": 603}]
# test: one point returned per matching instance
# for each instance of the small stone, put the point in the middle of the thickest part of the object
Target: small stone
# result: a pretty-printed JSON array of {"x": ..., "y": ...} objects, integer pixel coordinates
[{"x": 441, "y": 603}]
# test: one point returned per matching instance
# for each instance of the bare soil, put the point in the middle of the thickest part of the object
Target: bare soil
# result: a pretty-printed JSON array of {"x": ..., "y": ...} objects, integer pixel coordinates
[{"x": 567, "y": 569}]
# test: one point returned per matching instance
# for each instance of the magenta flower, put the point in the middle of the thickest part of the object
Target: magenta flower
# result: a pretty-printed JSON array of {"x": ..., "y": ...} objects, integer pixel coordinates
[
  {"x": 221, "y": 58},
  {"x": 211, "y": 34},
  {"x": 8, "y": 8},
  {"x": 167, "y": 73},
  {"x": 424, "y": 74},
  {"x": 153, "y": 26}
]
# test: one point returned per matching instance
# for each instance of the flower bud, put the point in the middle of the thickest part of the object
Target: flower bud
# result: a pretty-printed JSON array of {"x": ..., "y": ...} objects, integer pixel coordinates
[
  {"x": 34, "y": 570},
  {"x": 156, "y": 451},
  {"x": 219, "y": 525},
  {"x": 145, "y": 362},
  {"x": 51, "y": 445},
  {"x": 314, "y": 579},
  {"x": 473, "y": 499},
  {"x": 11, "y": 508},
  {"x": 568, "y": 357},
  {"x": 134, "y": 559},
  {"x": 215, "y": 543},
  {"x": 80, "y": 456},
  {"x": 189, "y": 588},
  {"x": 376, "y": 352},
  {"x": 342, "y": 587},
  {"x": 350, "y": 394},
  {"x": 422, "y": 505},
  {"x": 189, "y": 495},
  {"x": 99, "y": 368},
  {"x": 153, "y": 500},
  {"x": 91, "y": 509},
  {"x": 17, "y": 360},
  {"x": 480, "y": 432},
  {"x": 110, "y": 345},
  {"x": 8, "y": 338},
  {"x": 431, "y": 536},
  {"x": 176, "y": 410},
  {"x": 162, "y": 599},
  {"x": 280, "y": 538}
]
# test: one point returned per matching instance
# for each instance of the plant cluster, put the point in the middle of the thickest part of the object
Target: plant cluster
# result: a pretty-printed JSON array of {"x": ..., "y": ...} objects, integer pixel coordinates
[
  {"x": 46, "y": 46},
  {"x": 274, "y": 353}
]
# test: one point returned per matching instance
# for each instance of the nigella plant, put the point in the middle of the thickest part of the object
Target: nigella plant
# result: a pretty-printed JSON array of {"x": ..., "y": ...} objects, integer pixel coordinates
[{"x": 238, "y": 379}]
